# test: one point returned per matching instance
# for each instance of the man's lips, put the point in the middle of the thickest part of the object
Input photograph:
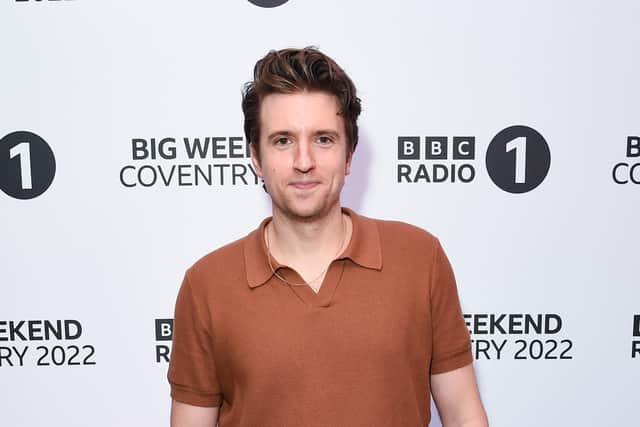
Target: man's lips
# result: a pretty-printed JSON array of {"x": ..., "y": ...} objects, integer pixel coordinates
[{"x": 304, "y": 185}]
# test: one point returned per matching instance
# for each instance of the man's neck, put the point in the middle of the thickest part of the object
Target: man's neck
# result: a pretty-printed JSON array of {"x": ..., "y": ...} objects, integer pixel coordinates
[{"x": 303, "y": 244}]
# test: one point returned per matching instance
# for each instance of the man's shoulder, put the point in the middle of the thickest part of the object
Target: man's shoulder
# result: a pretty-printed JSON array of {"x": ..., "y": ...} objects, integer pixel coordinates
[
  {"x": 403, "y": 232},
  {"x": 226, "y": 259}
]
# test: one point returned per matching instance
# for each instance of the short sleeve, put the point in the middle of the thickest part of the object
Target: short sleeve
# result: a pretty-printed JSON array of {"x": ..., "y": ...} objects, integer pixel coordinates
[
  {"x": 192, "y": 371},
  {"x": 451, "y": 345}
]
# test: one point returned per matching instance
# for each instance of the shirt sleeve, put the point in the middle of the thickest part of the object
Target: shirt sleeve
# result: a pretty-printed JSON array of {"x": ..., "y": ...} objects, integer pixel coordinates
[
  {"x": 192, "y": 371},
  {"x": 451, "y": 345}
]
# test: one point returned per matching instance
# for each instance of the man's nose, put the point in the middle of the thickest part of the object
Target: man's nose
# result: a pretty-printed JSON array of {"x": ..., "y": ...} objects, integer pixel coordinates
[{"x": 304, "y": 159}]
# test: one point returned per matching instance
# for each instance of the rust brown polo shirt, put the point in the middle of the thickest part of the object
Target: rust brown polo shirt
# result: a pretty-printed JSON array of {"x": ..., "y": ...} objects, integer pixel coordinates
[{"x": 360, "y": 352}]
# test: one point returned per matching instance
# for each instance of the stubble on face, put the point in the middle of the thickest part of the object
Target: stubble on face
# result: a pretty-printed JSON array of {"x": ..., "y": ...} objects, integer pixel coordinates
[{"x": 303, "y": 154}]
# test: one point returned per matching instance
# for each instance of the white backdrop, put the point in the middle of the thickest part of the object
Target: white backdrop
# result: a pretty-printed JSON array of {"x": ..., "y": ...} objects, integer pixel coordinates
[{"x": 107, "y": 248}]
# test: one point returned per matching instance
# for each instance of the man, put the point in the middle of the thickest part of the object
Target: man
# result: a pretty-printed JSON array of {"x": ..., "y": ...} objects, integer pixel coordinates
[{"x": 320, "y": 317}]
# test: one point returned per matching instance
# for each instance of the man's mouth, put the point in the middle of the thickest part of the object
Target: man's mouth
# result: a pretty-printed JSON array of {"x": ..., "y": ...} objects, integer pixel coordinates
[{"x": 304, "y": 185}]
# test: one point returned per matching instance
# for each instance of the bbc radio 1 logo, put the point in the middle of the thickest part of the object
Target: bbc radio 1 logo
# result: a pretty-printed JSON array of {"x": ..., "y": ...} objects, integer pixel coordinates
[
  {"x": 27, "y": 165},
  {"x": 517, "y": 159},
  {"x": 628, "y": 171},
  {"x": 439, "y": 160}
]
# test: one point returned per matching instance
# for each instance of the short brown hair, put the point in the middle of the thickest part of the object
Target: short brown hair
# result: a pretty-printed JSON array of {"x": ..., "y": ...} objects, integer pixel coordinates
[{"x": 294, "y": 70}]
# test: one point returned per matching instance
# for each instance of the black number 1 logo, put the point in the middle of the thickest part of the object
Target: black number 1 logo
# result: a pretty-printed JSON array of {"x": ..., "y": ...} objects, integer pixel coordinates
[
  {"x": 27, "y": 165},
  {"x": 518, "y": 159}
]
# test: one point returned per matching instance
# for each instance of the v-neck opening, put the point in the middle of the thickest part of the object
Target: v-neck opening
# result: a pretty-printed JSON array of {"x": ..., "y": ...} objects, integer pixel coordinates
[{"x": 324, "y": 297}]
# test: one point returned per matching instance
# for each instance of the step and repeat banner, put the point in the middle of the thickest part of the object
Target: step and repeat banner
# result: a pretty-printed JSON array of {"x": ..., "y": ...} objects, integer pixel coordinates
[{"x": 510, "y": 130}]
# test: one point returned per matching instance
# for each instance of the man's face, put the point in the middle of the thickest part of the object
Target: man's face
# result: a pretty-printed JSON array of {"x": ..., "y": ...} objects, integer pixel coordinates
[{"x": 304, "y": 154}]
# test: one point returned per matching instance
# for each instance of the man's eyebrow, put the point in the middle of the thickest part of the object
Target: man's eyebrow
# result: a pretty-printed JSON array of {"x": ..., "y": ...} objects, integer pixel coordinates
[
  {"x": 330, "y": 132},
  {"x": 279, "y": 133}
]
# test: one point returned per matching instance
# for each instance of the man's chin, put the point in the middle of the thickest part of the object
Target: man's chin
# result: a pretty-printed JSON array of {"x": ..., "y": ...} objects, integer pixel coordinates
[{"x": 305, "y": 213}]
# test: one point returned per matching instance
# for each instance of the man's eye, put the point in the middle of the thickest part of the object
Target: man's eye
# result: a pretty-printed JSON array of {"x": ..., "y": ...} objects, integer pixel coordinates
[
  {"x": 324, "y": 140},
  {"x": 283, "y": 140}
]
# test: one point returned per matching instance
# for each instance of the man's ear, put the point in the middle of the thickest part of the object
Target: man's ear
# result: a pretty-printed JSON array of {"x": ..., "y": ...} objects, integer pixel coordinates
[
  {"x": 347, "y": 166},
  {"x": 255, "y": 159}
]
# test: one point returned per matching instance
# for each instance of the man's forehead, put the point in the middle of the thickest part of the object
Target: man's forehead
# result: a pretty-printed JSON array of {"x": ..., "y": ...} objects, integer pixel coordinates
[{"x": 303, "y": 110}]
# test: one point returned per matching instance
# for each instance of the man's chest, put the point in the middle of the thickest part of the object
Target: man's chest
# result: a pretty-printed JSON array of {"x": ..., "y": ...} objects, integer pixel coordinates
[{"x": 281, "y": 341}]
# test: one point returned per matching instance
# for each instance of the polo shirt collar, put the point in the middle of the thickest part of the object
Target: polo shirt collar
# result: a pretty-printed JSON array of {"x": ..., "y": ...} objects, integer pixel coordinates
[{"x": 363, "y": 249}]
